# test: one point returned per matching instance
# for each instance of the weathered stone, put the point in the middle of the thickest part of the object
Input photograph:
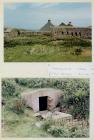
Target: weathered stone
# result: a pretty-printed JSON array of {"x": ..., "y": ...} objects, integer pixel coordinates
[
  {"x": 49, "y": 98},
  {"x": 55, "y": 116},
  {"x": 57, "y": 32},
  {"x": 46, "y": 114},
  {"x": 39, "y": 124},
  {"x": 60, "y": 32},
  {"x": 59, "y": 115},
  {"x": 36, "y": 114}
]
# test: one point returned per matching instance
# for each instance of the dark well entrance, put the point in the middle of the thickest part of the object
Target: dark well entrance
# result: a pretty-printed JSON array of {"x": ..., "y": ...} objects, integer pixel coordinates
[{"x": 42, "y": 103}]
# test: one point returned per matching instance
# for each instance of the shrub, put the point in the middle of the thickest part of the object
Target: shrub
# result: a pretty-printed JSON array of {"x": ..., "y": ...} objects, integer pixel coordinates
[
  {"x": 10, "y": 43},
  {"x": 79, "y": 129},
  {"x": 80, "y": 105},
  {"x": 47, "y": 124},
  {"x": 78, "y": 51},
  {"x": 64, "y": 130},
  {"x": 77, "y": 104},
  {"x": 23, "y": 82},
  {"x": 78, "y": 132},
  {"x": 18, "y": 106},
  {"x": 8, "y": 88},
  {"x": 74, "y": 41},
  {"x": 58, "y": 131},
  {"x": 23, "y": 41}
]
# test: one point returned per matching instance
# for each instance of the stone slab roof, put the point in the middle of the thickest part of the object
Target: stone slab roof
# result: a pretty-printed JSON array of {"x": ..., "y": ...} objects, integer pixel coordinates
[{"x": 42, "y": 90}]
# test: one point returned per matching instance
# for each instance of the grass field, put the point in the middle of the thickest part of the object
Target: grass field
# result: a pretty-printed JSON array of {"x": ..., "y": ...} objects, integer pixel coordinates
[{"x": 43, "y": 49}]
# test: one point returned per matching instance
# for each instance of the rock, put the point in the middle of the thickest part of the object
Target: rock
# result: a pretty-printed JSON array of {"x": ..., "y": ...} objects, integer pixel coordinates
[
  {"x": 46, "y": 114},
  {"x": 36, "y": 114},
  {"x": 56, "y": 109},
  {"x": 59, "y": 115},
  {"x": 38, "y": 124}
]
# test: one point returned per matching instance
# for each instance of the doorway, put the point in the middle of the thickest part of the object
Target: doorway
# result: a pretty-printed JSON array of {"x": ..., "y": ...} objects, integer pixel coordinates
[{"x": 42, "y": 103}]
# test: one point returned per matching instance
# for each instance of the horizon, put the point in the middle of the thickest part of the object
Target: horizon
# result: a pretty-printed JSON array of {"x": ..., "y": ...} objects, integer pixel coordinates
[{"x": 19, "y": 15}]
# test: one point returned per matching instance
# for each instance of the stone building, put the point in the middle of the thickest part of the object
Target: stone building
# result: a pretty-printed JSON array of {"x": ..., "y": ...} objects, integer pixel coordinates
[
  {"x": 42, "y": 99},
  {"x": 66, "y": 30},
  {"x": 47, "y": 27},
  {"x": 9, "y": 32},
  {"x": 57, "y": 32},
  {"x": 63, "y": 31}
]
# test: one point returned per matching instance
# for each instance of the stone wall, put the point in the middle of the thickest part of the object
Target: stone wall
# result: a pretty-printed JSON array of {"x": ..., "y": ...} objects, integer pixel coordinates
[
  {"x": 11, "y": 34},
  {"x": 25, "y": 33},
  {"x": 60, "y": 32},
  {"x": 56, "y": 32}
]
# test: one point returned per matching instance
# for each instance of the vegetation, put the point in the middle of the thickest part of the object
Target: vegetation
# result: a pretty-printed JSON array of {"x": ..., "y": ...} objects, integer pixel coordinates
[
  {"x": 75, "y": 130},
  {"x": 18, "y": 106},
  {"x": 44, "y": 48},
  {"x": 19, "y": 121}
]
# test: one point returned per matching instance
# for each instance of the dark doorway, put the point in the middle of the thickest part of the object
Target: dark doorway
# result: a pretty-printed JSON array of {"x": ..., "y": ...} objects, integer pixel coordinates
[
  {"x": 80, "y": 33},
  {"x": 72, "y": 33},
  {"x": 43, "y": 103},
  {"x": 76, "y": 33}
]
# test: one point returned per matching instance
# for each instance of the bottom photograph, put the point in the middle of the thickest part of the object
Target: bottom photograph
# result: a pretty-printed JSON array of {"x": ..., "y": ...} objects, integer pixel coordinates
[{"x": 45, "y": 107}]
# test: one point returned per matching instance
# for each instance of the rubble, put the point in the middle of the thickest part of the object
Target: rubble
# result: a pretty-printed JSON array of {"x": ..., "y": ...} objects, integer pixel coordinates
[{"x": 56, "y": 115}]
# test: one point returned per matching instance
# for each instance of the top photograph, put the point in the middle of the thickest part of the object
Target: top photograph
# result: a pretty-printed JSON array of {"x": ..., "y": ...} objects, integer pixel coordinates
[{"x": 48, "y": 32}]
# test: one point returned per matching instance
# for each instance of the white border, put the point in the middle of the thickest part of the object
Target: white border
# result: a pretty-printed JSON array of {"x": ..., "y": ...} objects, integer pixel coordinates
[{"x": 40, "y": 70}]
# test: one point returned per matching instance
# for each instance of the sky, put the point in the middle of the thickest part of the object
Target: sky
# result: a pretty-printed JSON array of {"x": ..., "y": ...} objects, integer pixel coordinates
[{"x": 34, "y": 15}]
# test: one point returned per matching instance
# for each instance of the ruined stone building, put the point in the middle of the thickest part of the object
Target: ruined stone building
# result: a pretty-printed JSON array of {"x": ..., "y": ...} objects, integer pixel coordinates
[
  {"x": 9, "y": 32},
  {"x": 57, "y": 32},
  {"x": 60, "y": 32},
  {"x": 66, "y": 30},
  {"x": 47, "y": 27}
]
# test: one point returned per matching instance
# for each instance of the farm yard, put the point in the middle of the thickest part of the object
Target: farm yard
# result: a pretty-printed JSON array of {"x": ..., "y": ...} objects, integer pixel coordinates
[
  {"x": 46, "y": 49},
  {"x": 19, "y": 120}
]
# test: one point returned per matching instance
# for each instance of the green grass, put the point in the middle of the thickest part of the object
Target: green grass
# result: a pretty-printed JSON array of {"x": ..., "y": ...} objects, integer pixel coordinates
[
  {"x": 21, "y": 125},
  {"x": 44, "y": 53},
  {"x": 44, "y": 49}
]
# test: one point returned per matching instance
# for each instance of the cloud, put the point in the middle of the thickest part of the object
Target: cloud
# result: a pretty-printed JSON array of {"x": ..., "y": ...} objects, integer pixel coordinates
[{"x": 34, "y": 15}]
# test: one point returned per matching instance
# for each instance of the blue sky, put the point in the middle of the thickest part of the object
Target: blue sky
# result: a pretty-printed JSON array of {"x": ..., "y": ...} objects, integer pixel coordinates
[{"x": 35, "y": 15}]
